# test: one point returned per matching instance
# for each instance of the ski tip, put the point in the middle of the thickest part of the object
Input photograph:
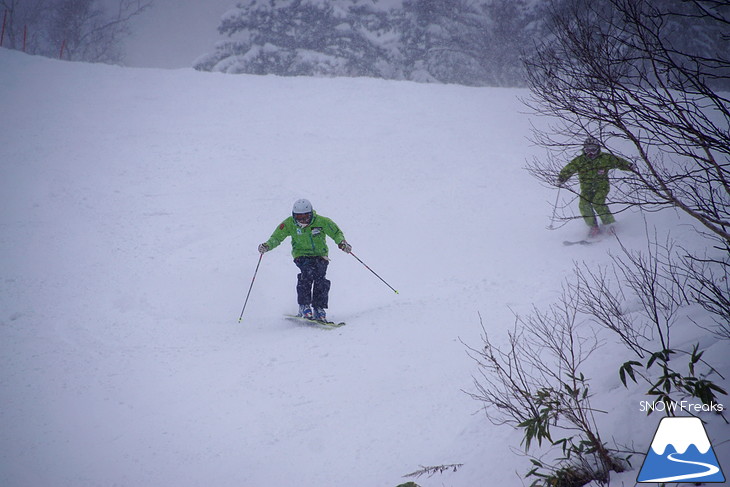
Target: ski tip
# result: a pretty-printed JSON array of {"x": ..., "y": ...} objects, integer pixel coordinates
[{"x": 323, "y": 324}]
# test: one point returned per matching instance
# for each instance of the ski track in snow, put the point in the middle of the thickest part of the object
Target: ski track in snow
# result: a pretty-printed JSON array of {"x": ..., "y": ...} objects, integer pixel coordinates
[{"x": 133, "y": 202}]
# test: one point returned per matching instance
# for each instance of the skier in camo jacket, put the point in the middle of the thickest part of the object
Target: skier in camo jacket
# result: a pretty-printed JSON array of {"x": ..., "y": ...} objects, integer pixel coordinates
[
  {"x": 308, "y": 232},
  {"x": 592, "y": 168}
]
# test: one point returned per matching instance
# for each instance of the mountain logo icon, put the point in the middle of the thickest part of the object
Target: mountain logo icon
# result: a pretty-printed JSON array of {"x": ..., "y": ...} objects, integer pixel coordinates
[{"x": 680, "y": 451}]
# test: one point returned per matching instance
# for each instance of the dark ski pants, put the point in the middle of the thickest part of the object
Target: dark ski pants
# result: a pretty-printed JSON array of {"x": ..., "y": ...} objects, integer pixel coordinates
[{"x": 312, "y": 286}]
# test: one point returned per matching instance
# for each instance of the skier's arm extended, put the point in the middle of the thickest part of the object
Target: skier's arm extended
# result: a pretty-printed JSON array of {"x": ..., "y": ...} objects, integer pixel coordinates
[
  {"x": 278, "y": 236},
  {"x": 621, "y": 163},
  {"x": 572, "y": 167}
]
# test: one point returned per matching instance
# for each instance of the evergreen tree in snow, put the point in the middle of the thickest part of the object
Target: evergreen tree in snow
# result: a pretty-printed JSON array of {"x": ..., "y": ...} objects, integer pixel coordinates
[
  {"x": 442, "y": 41},
  {"x": 302, "y": 37},
  {"x": 513, "y": 26},
  {"x": 471, "y": 42}
]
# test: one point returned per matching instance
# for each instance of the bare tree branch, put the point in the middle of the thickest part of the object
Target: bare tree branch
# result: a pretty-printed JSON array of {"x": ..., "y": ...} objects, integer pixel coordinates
[{"x": 611, "y": 70}]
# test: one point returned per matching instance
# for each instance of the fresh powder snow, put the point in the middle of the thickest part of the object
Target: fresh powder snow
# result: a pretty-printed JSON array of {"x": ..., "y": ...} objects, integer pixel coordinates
[{"x": 132, "y": 205}]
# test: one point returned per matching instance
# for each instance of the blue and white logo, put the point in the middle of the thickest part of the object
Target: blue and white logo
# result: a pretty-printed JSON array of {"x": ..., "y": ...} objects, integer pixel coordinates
[{"x": 681, "y": 451}]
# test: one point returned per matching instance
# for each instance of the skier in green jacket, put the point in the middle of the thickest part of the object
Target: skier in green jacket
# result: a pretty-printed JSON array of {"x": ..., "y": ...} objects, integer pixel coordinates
[
  {"x": 308, "y": 232},
  {"x": 593, "y": 167}
]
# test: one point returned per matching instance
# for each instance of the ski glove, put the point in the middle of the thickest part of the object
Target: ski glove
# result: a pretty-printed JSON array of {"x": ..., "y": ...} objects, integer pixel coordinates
[
  {"x": 263, "y": 248},
  {"x": 345, "y": 247}
]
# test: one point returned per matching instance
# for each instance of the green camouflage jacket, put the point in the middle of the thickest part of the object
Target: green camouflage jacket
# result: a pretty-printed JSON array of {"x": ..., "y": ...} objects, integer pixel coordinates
[{"x": 593, "y": 173}]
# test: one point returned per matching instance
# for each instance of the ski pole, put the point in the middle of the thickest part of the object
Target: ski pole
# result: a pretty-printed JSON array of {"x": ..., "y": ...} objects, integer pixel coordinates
[
  {"x": 555, "y": 209},
  {"x": 251, "y": 286},
  {"x": 376, "y": 275}
]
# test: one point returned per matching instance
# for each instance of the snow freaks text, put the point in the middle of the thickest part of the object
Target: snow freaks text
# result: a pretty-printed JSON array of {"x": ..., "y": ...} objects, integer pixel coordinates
[{"x": 679, "y": 407}]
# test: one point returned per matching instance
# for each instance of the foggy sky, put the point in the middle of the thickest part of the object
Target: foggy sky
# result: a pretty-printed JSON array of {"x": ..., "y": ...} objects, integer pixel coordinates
[{"x": 173, "y": 33}]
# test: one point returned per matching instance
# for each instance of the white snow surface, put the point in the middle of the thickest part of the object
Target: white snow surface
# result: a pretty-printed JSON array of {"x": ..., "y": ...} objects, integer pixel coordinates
[{"x": 132, "y": 204}]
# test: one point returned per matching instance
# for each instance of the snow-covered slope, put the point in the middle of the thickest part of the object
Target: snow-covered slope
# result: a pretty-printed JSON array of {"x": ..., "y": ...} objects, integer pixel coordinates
[{"x": 131, "y": 207}]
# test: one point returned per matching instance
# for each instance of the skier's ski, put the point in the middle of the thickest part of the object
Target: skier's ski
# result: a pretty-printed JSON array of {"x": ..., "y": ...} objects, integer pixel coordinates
[
  {"x": 579, "y": 242},
  {"x": 606, "y": 231},
  {"x": 322, "y": 324},
  {"x": 592, "y": 240}
]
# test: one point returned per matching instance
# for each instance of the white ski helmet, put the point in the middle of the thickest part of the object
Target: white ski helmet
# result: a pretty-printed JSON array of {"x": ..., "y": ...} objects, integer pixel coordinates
[{"x": 302, "y": 212}]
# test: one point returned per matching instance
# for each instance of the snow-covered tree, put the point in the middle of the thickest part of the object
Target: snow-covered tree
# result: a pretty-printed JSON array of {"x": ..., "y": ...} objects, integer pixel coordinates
[
  {"x": 472, "y": 42},
  {"x": 514, "y": 26},
  {"x": 442, "y": 41},
  {"x": 303, "y": 37}
]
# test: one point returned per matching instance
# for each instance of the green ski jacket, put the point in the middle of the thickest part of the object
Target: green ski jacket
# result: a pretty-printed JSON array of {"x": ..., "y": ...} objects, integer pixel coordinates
[
  {"x": 309, "y": 241},
  {"x": 593, "y": 173}
]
